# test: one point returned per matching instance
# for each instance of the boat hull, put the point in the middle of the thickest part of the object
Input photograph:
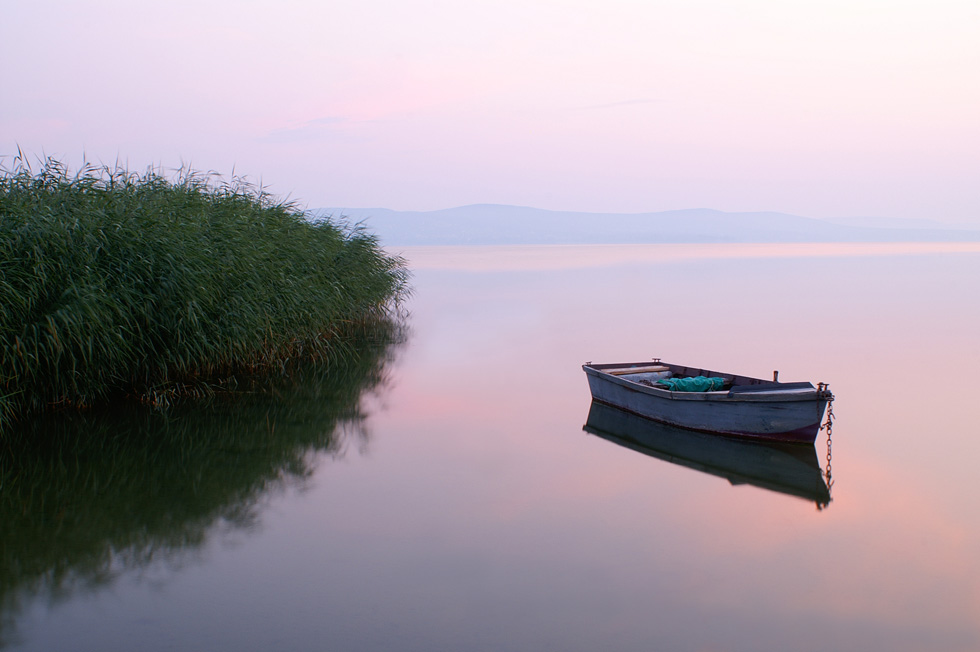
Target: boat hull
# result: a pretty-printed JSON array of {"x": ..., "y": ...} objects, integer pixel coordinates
[{"x": 771, "y": 414}]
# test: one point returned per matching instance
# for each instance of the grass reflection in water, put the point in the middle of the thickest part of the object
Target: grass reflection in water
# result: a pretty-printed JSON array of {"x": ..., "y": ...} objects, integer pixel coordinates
[{"x": 86, "y": 496}]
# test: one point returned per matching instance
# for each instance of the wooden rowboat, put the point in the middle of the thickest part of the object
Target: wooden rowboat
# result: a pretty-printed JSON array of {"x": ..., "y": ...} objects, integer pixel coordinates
[{"x": 742, "y": 407}]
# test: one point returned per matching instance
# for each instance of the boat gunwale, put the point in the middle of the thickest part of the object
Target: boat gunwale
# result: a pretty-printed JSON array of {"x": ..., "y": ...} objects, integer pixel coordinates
[{"x": 760, "y": 396}]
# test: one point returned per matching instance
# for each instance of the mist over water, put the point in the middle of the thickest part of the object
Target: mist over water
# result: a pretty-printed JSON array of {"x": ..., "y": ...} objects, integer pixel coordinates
[{"x": 475, "y": 513}]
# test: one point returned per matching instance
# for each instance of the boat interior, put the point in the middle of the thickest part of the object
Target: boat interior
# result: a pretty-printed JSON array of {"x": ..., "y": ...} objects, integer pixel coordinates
[{"x": 651, "y": 373}]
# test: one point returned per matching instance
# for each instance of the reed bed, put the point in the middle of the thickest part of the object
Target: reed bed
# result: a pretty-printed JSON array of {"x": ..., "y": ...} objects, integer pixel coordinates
[{"x": 117, "y": 283}]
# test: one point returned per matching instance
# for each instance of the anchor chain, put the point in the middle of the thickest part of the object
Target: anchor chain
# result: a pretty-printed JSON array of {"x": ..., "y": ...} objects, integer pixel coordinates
[{"x": 828, "y": 425}]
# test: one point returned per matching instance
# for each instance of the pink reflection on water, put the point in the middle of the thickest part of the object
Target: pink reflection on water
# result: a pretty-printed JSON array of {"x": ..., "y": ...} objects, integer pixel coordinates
[
  {"x": 491, "y": 400},
  {"x": 896, "y": 572}
]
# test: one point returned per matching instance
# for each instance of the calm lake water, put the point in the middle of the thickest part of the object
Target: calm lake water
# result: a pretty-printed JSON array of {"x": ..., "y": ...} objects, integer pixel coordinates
[{"x": 459, "y": 504}]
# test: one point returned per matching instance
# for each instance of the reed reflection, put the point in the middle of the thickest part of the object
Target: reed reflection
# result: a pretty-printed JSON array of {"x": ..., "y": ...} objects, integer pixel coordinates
[
  {"x": 88, "y": 496},
  {"x": 790, "y": 469}
]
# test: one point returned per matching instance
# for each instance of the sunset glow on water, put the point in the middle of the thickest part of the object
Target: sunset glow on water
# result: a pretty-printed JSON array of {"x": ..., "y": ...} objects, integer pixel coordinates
[{"x": 477, "y": 514}]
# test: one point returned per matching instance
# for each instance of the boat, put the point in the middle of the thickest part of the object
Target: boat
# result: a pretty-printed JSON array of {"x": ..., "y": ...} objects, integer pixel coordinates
[
  {"x": 737, "y": 406},
  {"x": 790, "y": 469}
]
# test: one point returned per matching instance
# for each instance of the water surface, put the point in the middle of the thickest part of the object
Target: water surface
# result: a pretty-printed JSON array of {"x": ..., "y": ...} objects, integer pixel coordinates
[{"x": 474, "y": 512}]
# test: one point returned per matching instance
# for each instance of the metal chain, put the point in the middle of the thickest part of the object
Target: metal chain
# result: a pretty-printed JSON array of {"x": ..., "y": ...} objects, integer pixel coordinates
[{"x": 829, "y": 427}]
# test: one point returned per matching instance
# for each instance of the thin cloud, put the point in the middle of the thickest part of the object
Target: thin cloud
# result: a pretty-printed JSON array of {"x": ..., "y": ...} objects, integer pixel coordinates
[
  {"x": 612, "y": 105},
  {"x": 309, "y": 130}
]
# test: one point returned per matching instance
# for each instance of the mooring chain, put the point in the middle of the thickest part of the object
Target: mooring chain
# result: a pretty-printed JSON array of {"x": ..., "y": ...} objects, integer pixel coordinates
[{"x": 829, "y": 427}]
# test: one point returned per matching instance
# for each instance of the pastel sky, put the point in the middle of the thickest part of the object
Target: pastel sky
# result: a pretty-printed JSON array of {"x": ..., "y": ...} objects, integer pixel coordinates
[{"x": 830, "y": 108}]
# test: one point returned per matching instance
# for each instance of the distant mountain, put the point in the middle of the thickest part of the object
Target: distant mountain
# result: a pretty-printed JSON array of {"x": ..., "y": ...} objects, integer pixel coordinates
[{"x": 499, "y": 225}]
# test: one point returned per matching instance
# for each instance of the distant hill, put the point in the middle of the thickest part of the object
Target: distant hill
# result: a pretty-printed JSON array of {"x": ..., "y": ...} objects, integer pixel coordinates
[{"x": 504, "y": 225}]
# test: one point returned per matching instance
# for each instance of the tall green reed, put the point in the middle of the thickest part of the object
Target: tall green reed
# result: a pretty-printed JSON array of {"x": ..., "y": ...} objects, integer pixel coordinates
[{"x": 115, "y": 282}]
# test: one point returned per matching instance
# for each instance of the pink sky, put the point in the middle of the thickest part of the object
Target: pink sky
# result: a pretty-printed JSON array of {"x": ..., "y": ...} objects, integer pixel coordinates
[{"x": 832, "y": 109}]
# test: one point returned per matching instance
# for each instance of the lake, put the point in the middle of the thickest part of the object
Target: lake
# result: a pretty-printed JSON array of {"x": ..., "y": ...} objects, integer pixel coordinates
[{"x": 446, "y": 496}]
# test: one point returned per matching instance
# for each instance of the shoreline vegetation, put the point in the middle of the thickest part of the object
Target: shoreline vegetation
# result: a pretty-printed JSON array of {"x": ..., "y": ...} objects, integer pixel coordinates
[{"x": 116, "y": 284}]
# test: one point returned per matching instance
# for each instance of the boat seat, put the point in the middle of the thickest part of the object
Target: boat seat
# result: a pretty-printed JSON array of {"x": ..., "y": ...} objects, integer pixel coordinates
[{"x": 648, "y": 377}]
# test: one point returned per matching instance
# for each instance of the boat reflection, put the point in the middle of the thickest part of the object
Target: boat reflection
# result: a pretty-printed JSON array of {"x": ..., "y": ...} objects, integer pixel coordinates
[{"x": 790, "y": 469}]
